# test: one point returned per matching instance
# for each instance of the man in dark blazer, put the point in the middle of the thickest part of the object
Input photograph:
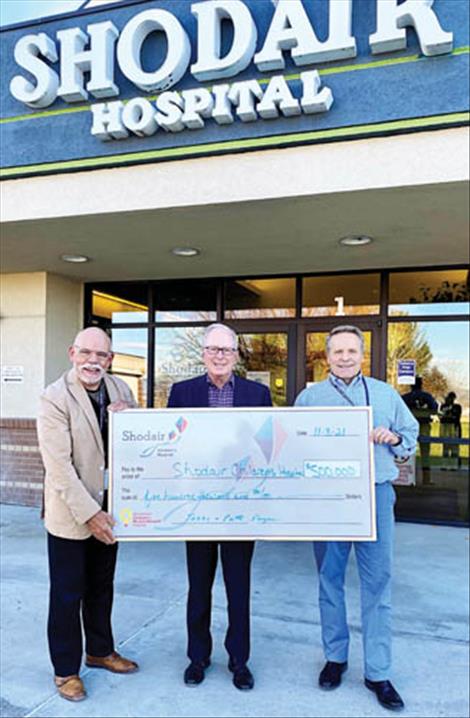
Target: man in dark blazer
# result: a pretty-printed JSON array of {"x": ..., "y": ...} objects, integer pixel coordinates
[{"x": 219, "y": 387}]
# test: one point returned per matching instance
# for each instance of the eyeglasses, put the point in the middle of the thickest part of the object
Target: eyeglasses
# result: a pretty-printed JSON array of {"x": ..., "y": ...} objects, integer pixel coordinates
[
  {"x": 86, "y": 353},
  {"x": 225, "y": 351}
]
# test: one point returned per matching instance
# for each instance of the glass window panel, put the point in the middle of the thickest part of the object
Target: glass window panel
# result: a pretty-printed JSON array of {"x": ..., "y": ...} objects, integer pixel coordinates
[
  {"x": 259, "y": 298},
  {"x": 186, "y": 301},
  {"x": 263, "y": 358},
  {"x": 439, "y": 478},
  {"x": 130, "y": 360},
  {"x": 178, "y": 356},
  {"x": 120, "y": 302},
  {"x": 340, "y": 295},
  {"x": 439, "y": 292},
  {"x": 316, "y": 366}
]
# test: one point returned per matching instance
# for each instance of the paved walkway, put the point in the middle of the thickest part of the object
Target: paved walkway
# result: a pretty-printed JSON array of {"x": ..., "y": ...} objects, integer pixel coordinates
[{"x": 430, "y": 649}]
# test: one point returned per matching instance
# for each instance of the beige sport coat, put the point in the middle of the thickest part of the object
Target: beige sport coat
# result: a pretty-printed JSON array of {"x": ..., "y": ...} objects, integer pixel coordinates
[{"x": 72, "y": 450}]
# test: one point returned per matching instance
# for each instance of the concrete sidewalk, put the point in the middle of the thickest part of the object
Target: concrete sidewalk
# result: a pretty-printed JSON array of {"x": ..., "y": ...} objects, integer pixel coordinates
[{"x": 431, "y": 657}]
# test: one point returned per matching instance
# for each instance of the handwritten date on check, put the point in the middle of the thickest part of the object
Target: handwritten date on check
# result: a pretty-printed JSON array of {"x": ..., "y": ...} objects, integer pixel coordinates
[{"x": 230, "y": 474}]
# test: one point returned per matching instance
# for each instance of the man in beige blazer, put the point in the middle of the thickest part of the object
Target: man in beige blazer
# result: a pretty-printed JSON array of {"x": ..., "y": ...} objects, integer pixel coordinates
[{"x": 82, "y": 550}]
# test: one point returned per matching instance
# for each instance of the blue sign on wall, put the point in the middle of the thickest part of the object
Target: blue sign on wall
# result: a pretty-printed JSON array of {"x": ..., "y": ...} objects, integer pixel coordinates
[{"x": 166, "y": 79}]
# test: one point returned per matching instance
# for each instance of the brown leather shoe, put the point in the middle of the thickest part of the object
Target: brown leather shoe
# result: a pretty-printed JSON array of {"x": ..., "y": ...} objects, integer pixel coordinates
[
  {"x": 71, "y": 688},
  {"x": 114, "y": 663}
]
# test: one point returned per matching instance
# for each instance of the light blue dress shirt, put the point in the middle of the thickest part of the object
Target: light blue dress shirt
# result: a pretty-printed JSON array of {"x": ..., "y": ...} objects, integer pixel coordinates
[
  {"x": 388, "y": 410},
  {"x": 374, "y": 558}
]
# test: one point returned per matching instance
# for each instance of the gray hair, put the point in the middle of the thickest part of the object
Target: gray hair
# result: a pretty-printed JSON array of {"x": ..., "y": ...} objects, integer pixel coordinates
[
  {"x": 345, "y": 329},
  {"x": 229, "y": 330}
]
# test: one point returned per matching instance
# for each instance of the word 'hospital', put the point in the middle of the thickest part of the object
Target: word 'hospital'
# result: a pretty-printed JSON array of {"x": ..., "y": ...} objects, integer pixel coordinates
[{"x": 186, "y": 110}]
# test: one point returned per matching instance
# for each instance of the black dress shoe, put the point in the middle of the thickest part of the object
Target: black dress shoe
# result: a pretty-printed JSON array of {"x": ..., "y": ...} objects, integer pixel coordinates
[
  {"x": 386, "y": 694},
  {"x": 330, "y": 677},
  {"x": 242, "y": 676},
  {"x": 195, "y": 672}
]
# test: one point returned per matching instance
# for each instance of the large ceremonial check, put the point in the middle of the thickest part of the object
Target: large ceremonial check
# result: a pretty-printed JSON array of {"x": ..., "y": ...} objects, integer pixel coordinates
[{"x": 284, "y": 473}]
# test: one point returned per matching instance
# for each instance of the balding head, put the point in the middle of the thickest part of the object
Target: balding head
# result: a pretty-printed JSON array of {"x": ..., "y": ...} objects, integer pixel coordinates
[
  {"x": 92, "y": 334},
  {"x": 91, "y": 356}
]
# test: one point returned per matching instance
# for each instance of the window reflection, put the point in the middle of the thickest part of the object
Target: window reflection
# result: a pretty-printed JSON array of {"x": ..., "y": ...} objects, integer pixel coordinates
[
  {"x": 178, "y": 356},
  {"x": 438, "y": 483},
  {"x": 130, "y": 360},
  {"x": 438, "y": 292},
  {"x": 186, "y": 301},
  {"x": 341, "y": 295},
  {"x": 259, "y": 298},
  {"x": 263, "y": 358},
  {"x": 120, "y": 302}
]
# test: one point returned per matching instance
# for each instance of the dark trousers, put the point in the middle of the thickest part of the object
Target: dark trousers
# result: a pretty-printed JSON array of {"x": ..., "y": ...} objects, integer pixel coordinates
[
  {"x": 201, "y": 557},
  {"x": 81, "y": 587}
]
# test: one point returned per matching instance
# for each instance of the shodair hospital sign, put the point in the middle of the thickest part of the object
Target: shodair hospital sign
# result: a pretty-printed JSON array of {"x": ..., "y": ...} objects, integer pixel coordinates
[{"x": 171, "y": 78}]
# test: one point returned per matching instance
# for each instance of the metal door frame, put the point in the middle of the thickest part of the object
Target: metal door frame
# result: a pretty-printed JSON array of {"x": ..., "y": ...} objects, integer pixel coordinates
[{"x": 274, "y": 326}]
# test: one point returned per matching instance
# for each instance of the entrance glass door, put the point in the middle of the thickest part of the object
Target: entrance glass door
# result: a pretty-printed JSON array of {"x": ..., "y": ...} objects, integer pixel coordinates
[
  {"x": 313, "y": 365},
  {"x": 264, "y": 358}
]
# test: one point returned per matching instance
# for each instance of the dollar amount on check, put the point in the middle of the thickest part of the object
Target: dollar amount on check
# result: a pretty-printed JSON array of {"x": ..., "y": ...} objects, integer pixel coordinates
[{"x": 281, "y": 473}]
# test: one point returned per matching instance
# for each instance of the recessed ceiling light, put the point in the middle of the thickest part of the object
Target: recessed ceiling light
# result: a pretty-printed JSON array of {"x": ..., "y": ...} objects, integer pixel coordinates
[
  {"x": 355, "y": 240},
  {"x": 185, "y": 251},
  {"x": 74, "y": 258}
]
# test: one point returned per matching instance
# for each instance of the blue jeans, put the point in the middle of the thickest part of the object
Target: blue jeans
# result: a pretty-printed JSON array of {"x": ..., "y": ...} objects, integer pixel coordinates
[{"x": 374, "y": 562}]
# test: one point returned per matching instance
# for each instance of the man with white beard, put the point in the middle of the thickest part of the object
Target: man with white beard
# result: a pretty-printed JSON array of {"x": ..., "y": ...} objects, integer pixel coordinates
[{"x": 73, "y": 433}]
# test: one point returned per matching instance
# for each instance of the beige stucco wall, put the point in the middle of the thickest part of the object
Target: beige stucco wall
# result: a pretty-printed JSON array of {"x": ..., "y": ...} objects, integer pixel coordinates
[
  {"x": 22, "y": 335},
  {"x": 410, "y": 160},
  {"x": 64, "y": 311},
  {"x": 39, "y": 313}
]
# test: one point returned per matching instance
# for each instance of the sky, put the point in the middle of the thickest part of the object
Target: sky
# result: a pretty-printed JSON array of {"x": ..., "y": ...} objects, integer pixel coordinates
[{"x": 12, "y": 11}]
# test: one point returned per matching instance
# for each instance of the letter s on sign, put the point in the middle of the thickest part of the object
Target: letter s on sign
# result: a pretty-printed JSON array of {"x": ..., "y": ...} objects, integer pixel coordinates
[{"x": 27, "y": 52}]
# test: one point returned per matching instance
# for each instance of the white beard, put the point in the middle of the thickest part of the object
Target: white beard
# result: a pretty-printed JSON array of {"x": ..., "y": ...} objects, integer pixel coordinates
[{"x": 98, "y": 370}]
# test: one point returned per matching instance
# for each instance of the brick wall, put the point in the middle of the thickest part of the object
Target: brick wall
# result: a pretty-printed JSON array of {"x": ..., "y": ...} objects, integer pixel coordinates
[{"x": 21, "y": 468}]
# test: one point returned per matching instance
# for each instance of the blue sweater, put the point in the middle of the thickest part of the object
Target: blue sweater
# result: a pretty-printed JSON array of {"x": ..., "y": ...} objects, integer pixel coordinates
[{"x": 388, "y": 409}]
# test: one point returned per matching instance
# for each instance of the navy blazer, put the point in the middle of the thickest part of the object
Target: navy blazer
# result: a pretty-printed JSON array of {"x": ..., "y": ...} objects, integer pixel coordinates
[{"x": 194, "y": 393}]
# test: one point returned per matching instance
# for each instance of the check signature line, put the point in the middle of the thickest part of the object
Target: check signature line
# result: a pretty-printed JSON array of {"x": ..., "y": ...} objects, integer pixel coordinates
[{"x": 278, "y": 523}]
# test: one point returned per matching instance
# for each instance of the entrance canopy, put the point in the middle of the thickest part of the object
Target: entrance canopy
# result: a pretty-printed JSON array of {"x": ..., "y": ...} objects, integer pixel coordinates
[{"x": 267, "y": 213}]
